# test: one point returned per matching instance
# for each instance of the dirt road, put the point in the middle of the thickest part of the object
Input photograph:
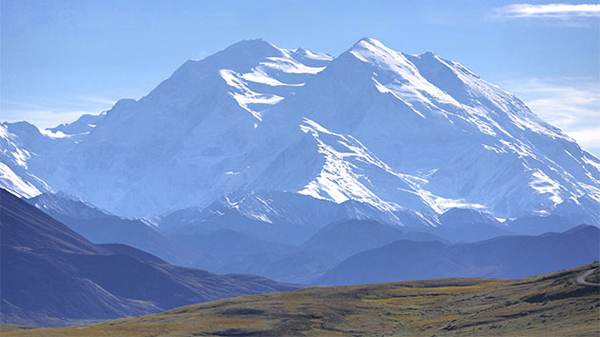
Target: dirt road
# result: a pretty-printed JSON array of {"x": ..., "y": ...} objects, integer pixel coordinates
[{"x": 581, "y": 279}]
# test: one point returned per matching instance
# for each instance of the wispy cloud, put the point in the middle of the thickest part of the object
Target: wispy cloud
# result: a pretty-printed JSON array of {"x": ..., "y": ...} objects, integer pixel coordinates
[
  {"x": 572, "y": 104},
  {"x": 549, "y": 11},
  {"x": 46, "y": 114}
]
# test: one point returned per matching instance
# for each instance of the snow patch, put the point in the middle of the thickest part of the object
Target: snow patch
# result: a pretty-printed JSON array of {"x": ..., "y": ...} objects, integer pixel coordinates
[
  {"x": 51, "y": 134},
  {"x": 246, "y": 97},
  {"x": 14, "y": 183},
  {"x": 544, "y": 185}
]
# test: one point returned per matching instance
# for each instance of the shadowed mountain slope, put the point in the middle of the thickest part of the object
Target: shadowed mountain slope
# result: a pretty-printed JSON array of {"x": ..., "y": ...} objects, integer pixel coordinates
[
  {"x": 345, "y": 238},
  {"x": 52, "y": 276},
  {"x": 504, "y": 257},
  {"x": 100, "y": 227}
]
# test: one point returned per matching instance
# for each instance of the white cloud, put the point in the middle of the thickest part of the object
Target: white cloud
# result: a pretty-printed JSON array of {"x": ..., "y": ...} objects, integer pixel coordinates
[
  {"x": 47, "y": 114},
  {"x": 572, "y": 104},
  {"x": 549, "y": 11},
  {"x": 589, "y": 136}
]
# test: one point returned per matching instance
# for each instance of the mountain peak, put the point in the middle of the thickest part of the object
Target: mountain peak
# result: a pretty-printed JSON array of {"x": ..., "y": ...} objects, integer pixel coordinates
[
  {"x": 254, "y": 42},
  {"x": 372, "y": 51},
  {"x": 369, "y": 45},
  {"x": 365, "y": 41},
  {"x": 428, "y": 55},
  {"x": 259, "y": 46}
]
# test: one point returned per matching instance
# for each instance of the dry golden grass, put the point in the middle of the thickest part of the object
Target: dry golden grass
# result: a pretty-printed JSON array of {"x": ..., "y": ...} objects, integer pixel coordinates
[
  {"x": 8, "y": 327},
  {"x": 547, "y": 305}
]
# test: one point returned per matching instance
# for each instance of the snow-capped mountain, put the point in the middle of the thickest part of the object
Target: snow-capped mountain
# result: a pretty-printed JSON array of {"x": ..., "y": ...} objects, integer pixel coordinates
[
  {"x": 410, "y": 136},
  {"x": 458, "y": 139}
]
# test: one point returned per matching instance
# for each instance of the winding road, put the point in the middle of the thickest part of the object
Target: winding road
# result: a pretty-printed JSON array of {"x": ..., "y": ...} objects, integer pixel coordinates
[{"x": 581, "y": 279}]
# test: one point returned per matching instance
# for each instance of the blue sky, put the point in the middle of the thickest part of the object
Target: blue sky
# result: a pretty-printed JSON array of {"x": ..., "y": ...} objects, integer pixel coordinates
[{"x": 62, "y": 58}]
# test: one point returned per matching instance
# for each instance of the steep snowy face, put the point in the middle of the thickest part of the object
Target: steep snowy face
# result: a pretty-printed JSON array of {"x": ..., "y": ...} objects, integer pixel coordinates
[
  {"x": 550, "y": 168},
  {"x": 351, "y": 172},
  {"x": 396, "y": 75},
  {"x": 470, "y": 143}
]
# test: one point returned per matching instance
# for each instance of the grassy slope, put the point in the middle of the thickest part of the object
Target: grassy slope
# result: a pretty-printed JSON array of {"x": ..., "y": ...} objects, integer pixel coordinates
[
  {"x": 544, "y": 305},
  {"x": 10, "y": 327}
]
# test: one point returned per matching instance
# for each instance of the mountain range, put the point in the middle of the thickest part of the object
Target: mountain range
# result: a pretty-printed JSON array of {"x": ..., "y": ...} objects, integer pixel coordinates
[
  {"x": 52, "y": 276},
  {"x": 501, "y": 257},
  {"x": 402, "y": 138},
  {"x": 231, "y": 243}
]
